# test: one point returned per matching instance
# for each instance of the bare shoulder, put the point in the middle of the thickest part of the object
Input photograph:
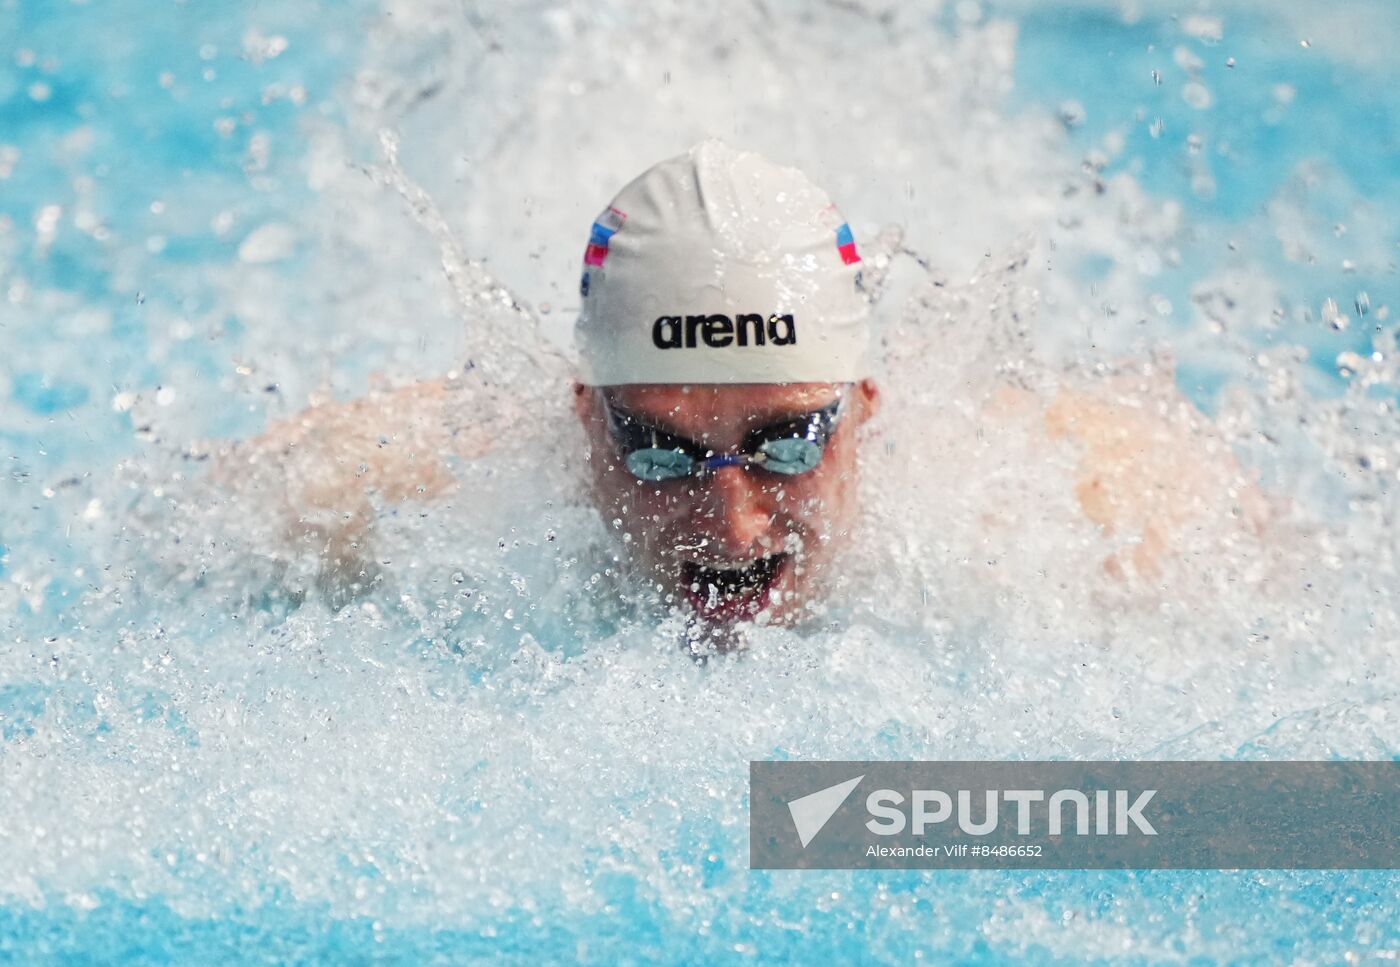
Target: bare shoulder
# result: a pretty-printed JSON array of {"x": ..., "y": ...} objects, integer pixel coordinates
[
  {"x": 391, "y": 442},
  {"x": 1152, "y": 466},
  {"x": 322, "y": 471}
]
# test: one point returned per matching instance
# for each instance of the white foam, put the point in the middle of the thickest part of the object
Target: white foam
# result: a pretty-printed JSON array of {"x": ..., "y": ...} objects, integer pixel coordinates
[{"x": 490, "y": 728}]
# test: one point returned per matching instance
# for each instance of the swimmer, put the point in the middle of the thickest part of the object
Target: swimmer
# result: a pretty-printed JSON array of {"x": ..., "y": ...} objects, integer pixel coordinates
[{"x": 727, "y": 373}]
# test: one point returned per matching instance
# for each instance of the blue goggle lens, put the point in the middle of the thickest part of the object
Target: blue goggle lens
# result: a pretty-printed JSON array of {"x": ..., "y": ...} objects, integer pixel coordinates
[
  {"x": 791, "y": 456},
  {"x": 656, "y": 465}
]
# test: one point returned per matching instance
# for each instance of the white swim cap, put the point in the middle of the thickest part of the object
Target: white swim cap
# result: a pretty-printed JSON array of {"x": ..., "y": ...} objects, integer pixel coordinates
[{"x": 721, "y": 267}]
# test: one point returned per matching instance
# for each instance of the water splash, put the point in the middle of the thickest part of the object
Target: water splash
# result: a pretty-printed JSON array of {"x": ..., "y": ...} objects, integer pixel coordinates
[{"x": 497, "y": 731}]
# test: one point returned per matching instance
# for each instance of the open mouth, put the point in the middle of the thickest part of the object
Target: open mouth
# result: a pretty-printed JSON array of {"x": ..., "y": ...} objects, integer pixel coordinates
[{"x": 735, "y": 591}]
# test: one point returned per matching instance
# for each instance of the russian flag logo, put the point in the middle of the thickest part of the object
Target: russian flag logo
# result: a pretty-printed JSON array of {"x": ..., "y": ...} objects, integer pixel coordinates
[
  {"x": 604, "y": 229},
  {"x": 846, "y": 245}
]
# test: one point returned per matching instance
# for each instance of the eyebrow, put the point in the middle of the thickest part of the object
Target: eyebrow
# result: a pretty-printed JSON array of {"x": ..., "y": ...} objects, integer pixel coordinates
[{"x": 647, "y": 423}]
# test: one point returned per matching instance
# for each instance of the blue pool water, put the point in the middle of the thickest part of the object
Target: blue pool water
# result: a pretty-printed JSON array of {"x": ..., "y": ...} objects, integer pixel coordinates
[{"x": 199, "y": 230}]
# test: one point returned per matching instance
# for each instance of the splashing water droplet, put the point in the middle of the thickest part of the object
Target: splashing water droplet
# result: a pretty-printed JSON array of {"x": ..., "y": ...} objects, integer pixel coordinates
[{"x": 1333, "y": 317}]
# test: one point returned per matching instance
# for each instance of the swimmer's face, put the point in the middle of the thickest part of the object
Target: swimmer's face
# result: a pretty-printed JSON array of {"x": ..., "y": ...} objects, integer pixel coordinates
[{"x": 736, "y": 542}]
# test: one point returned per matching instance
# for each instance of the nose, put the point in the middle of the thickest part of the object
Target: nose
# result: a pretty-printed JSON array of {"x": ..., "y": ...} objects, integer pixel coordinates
[{"x": 735, "y": 515}]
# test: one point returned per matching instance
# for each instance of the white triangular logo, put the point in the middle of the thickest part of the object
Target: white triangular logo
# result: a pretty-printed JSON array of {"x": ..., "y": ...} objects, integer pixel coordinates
[{"x": 810, "y": 813}]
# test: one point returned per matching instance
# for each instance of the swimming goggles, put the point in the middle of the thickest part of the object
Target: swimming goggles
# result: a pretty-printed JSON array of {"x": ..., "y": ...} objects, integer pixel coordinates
[{"x": 789, "y": 447}]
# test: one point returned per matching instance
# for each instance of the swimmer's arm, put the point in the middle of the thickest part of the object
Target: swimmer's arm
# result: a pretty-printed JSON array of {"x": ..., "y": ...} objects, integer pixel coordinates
[
  {"x": 1152, "y": 468},
  {"x": 323, "y": 471}
]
